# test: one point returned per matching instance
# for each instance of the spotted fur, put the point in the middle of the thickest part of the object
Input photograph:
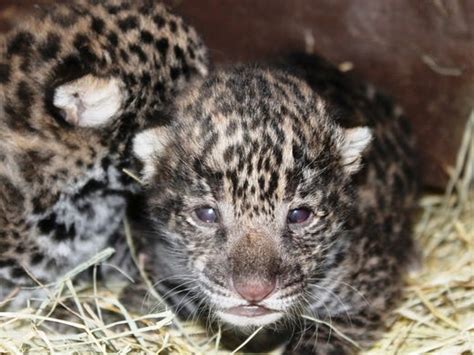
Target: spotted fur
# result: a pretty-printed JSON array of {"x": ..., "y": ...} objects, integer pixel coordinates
[
  {"x": 76, "y": 81},
  {"x": 253, "y": 143}
]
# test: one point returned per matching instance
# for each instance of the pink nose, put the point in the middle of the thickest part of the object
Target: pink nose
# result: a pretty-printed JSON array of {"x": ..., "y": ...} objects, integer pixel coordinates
[{"x": 254, "y": 290}]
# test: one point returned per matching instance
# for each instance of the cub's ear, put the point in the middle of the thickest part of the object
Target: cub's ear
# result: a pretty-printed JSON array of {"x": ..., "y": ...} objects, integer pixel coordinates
[
  {"x": 90, "y": 101},
  {"x": 354, "y": 142},
  {"x": 148, "y": 145}
]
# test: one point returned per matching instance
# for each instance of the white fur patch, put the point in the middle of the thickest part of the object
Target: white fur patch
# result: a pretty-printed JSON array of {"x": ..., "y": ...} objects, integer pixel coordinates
[
  {"x": 147, "y": 145},
  {"x": 89, "y": 101},
  {"x": 93, "y": 227},
  {"x": 355, "y": 141},
  {"x": 241, "y": 321}
]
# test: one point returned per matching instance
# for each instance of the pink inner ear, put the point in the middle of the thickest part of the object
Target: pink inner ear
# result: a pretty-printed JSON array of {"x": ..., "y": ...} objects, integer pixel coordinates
[{"x": 90, "y": 101}]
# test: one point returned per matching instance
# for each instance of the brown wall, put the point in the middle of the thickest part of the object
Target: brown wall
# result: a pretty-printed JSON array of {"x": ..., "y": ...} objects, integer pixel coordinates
[{"x": 420, "y": 51}]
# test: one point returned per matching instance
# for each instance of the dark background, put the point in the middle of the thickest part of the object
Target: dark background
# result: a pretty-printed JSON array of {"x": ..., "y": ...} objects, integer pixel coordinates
[{"x": 420, "y": 51}]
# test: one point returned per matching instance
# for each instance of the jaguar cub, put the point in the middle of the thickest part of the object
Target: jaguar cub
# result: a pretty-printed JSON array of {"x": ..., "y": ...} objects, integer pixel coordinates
[
  {"x": 280, "y": 196},
  {"x": 76, "y": 81}
]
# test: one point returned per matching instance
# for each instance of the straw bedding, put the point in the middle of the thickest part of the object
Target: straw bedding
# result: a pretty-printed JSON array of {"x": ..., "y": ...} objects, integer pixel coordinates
[{"x": 436, "y": 314}]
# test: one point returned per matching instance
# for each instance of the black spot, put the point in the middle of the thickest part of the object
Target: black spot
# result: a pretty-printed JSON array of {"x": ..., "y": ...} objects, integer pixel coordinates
[
  {"x": 173, "y": 26},
  {"x": 26, "y": 64},
  {"x": 179, "y": 53},
  {"x": 124, "y": 55},
  {"x": 278, "y": 157},
  {"x": 36, "y": 258},
  {"x": 339, "y": 257},
  {"x": 145, "y": 80},
  {"x": 221, "y": 234},
  {"x": 273, "y": 183},
  {"x": 18, "y": 272},
  {"x": 20, "y": 44},
  {"x": 249, "y": 168},
  {"x": 228, "y": 153},
  {"x": 210, "y": 142},
  {"x": 231, "y": 128},
  {"x": 169, "y": 206},
  {"x": 50, "y": 48},
  {"x": 267, "y": 165},
  {"x": 232, "y": 176},
  {"x": 37, "y": 206},
  {"x": 92, "y": 186},
  {"x": 80, "y": 41},
  {"x": 113, "y": 39},
  {"x": 48, "y": 224},
  {"x": 5, "y": 71},
  {"x": 62, "y": 232},
  {"x": 38, "y": 158},
  {"x": 146, "y": 37},
  {"x": 162, "y": 46},
  {"x": 192, "y": 55},
  {"x": 138, "y": 51},
  {"x": 175, "y": 73},
  {"x": 7, "y": 262},
  {"x": 160, "y": 89},
  {"x": 114, "y": 10},
  {"x": 128, "y": 23},
  {"x": 25, "y": 97},
  {"x": 131, "y": 80},
  {"x": 159, "y": 21},
  {"x": 106, "y": 163},
  {"x": 97, "y": 25},
  {"x": 20, "y": 249},
  {"x": 297, "y": 152}
]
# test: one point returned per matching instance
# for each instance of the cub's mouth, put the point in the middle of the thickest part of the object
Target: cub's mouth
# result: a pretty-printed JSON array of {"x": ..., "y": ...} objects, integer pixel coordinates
[{"x": 249, "y": 315}]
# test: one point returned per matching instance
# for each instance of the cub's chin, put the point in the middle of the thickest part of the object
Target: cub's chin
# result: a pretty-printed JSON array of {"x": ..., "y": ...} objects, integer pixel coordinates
[{"x": 249, "y": 316}]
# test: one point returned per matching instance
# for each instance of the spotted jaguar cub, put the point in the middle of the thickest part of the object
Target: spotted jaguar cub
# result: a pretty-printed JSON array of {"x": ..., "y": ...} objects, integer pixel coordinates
[
  {"x": 281, "y": 195},
  {"x": 76, "y": 81}
]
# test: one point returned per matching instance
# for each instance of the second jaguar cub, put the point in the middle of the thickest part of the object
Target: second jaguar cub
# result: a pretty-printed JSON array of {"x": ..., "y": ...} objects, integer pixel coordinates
[
  {"x": 281, "y": 197},
  {"x": 76, "y": 82}
]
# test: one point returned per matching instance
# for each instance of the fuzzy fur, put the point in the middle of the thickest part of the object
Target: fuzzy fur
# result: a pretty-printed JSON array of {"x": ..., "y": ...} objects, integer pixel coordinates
[
  {"x": 254, "y": 142},
  {"x": 76, "y": 81}
]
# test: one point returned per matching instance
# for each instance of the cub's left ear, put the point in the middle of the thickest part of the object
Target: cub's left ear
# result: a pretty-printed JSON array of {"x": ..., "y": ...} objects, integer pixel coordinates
[
  {"x": 90, "y": 101},
  {"x": 354, "y": 142},
  {"x": 148, "y": 145}
]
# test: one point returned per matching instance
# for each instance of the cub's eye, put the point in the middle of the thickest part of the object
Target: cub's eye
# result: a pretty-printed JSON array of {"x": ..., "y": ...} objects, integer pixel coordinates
[
  {"x": 299, "y": 215},
  {"x": 206, "y": 214}
]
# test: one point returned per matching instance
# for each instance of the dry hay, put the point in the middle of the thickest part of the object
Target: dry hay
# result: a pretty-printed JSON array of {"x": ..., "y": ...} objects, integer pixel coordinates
[{"x": 436, "y": 315}]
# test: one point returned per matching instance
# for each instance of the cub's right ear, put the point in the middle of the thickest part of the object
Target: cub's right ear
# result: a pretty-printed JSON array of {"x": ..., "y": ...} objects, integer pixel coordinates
[
  {"x": 90, "y": 101},
  {"x": 147, "y": 147}
]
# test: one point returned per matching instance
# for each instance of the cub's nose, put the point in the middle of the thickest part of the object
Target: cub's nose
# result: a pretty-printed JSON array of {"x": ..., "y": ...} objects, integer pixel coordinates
[{"x": 254, "y": 291}]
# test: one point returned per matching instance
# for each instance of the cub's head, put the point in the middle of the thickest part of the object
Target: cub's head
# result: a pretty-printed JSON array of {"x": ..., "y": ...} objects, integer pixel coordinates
[{"x": 248, "y": 191}]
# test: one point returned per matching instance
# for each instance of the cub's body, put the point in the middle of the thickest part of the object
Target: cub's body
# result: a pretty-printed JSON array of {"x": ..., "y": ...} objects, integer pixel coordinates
[
  {"x": 77, "y": 80},
  {"x": 282, "y": 194}
]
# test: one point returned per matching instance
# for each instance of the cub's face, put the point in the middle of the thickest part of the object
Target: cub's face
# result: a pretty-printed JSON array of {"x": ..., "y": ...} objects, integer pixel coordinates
[{"x": 248, "y": 191}]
